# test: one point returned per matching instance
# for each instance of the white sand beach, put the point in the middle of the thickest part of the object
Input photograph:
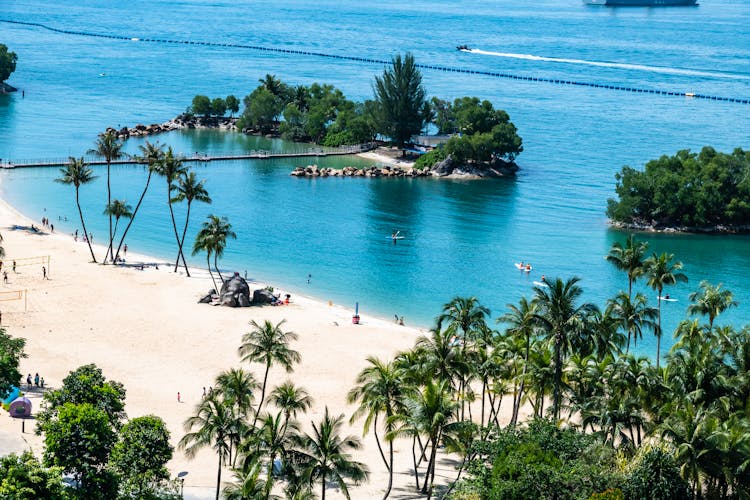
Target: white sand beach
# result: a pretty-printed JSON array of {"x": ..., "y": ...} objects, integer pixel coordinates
[{"x": 145, "y": 329}]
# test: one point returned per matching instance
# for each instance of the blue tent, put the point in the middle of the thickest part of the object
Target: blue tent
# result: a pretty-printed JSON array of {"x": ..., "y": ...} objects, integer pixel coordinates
[{"x": 8, "y": 399}]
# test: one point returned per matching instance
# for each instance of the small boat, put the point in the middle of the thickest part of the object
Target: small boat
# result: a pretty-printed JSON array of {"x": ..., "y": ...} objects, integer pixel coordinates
[
  {"x": 667, "y": 299},
  {"x": 462, "y": 47},
  {"x": 541, "y": 284},
  {"x": 641, "y": 3}
]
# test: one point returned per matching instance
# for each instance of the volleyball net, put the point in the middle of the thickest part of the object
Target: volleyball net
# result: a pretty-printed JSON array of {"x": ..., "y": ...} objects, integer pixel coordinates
[
  {"x": 15, "y": 295},
  {"x": 41, "y": 260}
]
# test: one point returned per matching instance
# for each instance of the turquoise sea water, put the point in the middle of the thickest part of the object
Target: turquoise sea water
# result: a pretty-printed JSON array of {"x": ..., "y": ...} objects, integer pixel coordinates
[{"x": 461, "y": 237}]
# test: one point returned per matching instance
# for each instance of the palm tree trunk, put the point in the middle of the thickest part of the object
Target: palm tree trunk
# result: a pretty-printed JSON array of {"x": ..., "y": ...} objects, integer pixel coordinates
[
  {"x": 323, "y": 488},
  {"x": 174, "y": 225},
  {"x": 208, "y": 263},
  {"x": 218, "y": 478},
  {"x": 130, "y": 223},
  {"x": 377, "y": 440},
  {"x": 263, "y": 395},
  {"x": 414, "y": 459},
  {"x": 88, "y": 239},
  {"x": 216, "y": 266},
  {"x": 658, "y": 330},
  {"x": 109, "y": 201},
  {"x": 484, "y": 394},
  {"x": 390, "y": 470},
  {"x": 558, "y": 379},
  {"x": 181, "y": 242}
]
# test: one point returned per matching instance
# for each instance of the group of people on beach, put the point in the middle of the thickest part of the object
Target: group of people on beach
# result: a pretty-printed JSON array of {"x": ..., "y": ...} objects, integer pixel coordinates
[
  {"x": 278, "y": 302},
  {"x": 38, "y": 381},
  {"x": 46, "y": 223}
]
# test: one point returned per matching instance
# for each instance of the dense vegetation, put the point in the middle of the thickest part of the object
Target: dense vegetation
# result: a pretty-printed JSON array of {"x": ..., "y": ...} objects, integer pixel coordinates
[
  {"x": 693, "y": 190},
  {"x": 399, "y": 110},
  {"x": 7, "y": 63}
]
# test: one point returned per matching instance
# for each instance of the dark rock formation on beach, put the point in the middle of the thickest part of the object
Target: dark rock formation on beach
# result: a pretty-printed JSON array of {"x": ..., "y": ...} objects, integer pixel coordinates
[
  {"x": 6, "y": 89},
  {"x": 263, "y": 296},
  {"x": 235, "y": 292},
  {"x": 177, "y": 123},
  {"x": 496, "y": 168},
  {"x": 384, "y": 171}
]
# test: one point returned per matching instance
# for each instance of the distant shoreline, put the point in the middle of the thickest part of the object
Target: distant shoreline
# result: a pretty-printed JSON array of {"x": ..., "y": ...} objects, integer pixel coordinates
[{"x": 653, "y": 228}]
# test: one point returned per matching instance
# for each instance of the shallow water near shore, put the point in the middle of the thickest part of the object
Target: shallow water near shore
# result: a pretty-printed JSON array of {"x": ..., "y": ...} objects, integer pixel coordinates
[{"x": 461, "y": 237}]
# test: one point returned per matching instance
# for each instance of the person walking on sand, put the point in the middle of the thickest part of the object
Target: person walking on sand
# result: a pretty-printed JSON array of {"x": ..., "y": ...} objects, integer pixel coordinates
[
  {"x": 41, "y": 382},
  {"x": 204, "y": 392},
  {"x": 28, "y": 381},
  {"x": 36, "y": 380},
  {"x": 5, "y": 276},
  {"x": 44, "y": 273},
  {"x": 178, "y": 398},
  {"x": 124, "y": 249},
  {"x": 14, "y": 266}
]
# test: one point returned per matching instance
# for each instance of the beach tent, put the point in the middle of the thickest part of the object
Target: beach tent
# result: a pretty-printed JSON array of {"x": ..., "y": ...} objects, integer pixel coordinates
[
  {"x": 20, "y": 407},
  {"x": 7, "y": 399}
]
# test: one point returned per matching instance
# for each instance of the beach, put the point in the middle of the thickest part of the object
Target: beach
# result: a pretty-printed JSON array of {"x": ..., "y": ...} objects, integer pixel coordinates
[{"x": 144, "y": 328}]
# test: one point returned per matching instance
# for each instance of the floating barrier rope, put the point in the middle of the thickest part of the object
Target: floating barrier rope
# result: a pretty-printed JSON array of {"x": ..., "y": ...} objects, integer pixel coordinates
[{"x": 447, "y": 69}]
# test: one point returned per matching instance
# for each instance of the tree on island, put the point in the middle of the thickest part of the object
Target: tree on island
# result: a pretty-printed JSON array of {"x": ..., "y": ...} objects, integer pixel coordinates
[
  {"x": 233, "y": 104},
  {"x": 110, "y": 148},
  {"x": 77, "y": 173},
  {"x": 401, "y": 100},
  {"x": 7, "y": 63},
  {"x": 201, "y": 105}
]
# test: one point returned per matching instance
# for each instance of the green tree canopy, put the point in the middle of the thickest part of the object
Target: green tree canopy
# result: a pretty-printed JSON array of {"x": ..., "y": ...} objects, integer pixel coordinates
[
  {"x": 22, "y": 477},
  {"x": 703, "y": 190},
  {"x": 218, "y": 106},
  {"x": 7, "y": 62},
  {"x": 201, "y": 105},
  {"x": 141, "y": 454},
  {"x": 262, "y": 108},
  {"x": 86, "y": 384},
  {"x": 233, "y": 104},
  {"x": 11, "y": 352},
  {"x": 401, "y": 99}
]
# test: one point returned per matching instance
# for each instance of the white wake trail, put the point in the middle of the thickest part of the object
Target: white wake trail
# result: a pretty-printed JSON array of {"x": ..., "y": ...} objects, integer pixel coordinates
[{"x": 602, "y": 64}]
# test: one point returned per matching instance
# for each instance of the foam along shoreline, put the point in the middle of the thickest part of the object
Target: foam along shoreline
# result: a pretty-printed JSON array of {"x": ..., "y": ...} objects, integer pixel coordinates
[{"x": 147, "y": 330}]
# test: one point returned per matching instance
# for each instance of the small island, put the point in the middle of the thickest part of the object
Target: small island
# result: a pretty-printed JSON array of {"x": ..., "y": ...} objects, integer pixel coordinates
[
  {"x": 688, "y": 192},
  {"x": 7, "y": 66},
  {"x": 466, "y": 138}
]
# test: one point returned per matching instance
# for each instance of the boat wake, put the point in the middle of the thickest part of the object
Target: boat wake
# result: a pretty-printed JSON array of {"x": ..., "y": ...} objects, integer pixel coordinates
[{"x": 605, "y": 64}]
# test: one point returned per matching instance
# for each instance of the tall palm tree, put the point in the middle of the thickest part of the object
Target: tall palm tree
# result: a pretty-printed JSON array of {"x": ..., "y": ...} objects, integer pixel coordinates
[
  {"x": 326, "y": 456},
  {"x": 78, "y": 173},
  {"x": 117, "y": 209},
  {"x": 662, "y": 271},
  {"x": 210, "y": 426},
  {"x": 274, "y": 439},
  {"x": 268, "y": 344},
  {"x": 634, "y": 315},
  {"x": 378, "y": 390},
  {"x": 248, "y": 485},
  {"x": 171, "y": 168},
  {"x": 212, "y": 239},
  {"x": 188, "y": 189},
  {"x": 710, "y": 301},
  {"x": 561, "y": 318},
  {"x": 290, "y": 399},
  {"x": 523, "y": 324},
  {"x": 150, "y": 155},
  {"x": 629, "y": 259},
  {"x": 110, "y": 148}
]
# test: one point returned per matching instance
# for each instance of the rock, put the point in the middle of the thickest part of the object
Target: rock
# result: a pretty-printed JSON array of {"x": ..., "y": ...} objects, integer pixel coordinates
[
  {"x": 243, "y": 301},
  {"x": 233, "y": 289},
  {"x": 208, "y": 298},
  {"x": 263, "y": 296},
  {"x": 445, "y": 167}
]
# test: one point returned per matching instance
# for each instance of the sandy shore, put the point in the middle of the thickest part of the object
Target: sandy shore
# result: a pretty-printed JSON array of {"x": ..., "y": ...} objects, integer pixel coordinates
[{"x": 145, "y": 329}]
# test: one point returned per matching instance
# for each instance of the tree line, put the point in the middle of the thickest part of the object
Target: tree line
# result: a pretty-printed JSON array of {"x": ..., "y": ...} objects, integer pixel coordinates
[
  {"x": 399, "y": 110},
  {"x": 182, "y": 185},
  {"x": 705, "y": 190}
]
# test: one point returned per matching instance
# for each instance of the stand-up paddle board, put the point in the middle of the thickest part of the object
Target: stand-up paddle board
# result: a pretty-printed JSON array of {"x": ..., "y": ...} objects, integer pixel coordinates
[
  {"x": 667, "y": 299},
  {"x": 541, "y": 284}
]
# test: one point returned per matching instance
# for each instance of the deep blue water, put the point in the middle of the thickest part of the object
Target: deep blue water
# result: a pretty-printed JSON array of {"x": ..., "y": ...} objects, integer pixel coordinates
[{"x": 462, "y": 237}]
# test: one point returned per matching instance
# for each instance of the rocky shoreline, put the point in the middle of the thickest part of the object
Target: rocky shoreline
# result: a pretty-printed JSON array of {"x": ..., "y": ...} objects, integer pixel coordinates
[
  {"x": 446, "y": 169},
  {"x": 642, "y": 226},
  {"x": 177, "y": 123}
]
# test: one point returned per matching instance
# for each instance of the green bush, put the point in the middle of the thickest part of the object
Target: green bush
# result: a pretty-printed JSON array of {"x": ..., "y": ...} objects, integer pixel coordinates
[{"x": 429, "y": 159}]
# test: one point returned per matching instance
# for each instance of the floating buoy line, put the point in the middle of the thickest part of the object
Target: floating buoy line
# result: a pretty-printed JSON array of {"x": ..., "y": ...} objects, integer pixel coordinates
[{"x": 367, "y": 60}]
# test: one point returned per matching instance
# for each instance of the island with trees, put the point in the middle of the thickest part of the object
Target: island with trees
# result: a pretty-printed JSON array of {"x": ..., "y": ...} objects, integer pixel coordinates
[
  {"x": 7, "y": 67},
  {"x": 479, "y": 140},
  {"x": 699, "y": 192}
]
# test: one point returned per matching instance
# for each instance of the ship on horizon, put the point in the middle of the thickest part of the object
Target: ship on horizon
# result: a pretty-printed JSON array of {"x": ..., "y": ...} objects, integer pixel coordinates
[{"x": 641, "y": 3}]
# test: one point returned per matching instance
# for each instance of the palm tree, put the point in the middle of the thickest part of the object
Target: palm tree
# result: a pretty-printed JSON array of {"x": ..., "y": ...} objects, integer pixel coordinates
[
  {"x": 78, "y": 173},
  {"x": 629, "y": 259},
  {"x": 189, "y": 189},
  {"x": 633, "y": 314},
  {"x": 248, "y": 485},
  {"x": 326, "y": 456},
  {"x": 273, "y": 438},
  {"x": 561, "y": 319},
  {"x": 378, "y": 390},
  {"x": 661, "y": 271},
  {"x": 211, "y": 426},
  {"x": 710, "y": 301},
  {"x": 523, "y": 324},
  {"x": 117, "y": 209},
  {"x": 212, "y": 239},
  {"x": 272, "y": 84},
  {"x": 150, "y": 155},
  {"x": 268, "y": 344},
  {"x": 290, "y": 399},
  {"x": 110, "y": 148},
  {"x": 171, "y": 168}
]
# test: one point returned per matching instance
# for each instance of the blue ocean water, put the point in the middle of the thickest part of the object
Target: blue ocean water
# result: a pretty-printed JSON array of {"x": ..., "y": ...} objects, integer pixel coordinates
[{"x": 462, "y": 237}]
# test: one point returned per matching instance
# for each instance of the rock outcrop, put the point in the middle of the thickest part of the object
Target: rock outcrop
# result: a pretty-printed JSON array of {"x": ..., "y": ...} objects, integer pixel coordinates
[
  {"x": 235, "y": 292},
  {"x": 263, "y": 296}
]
